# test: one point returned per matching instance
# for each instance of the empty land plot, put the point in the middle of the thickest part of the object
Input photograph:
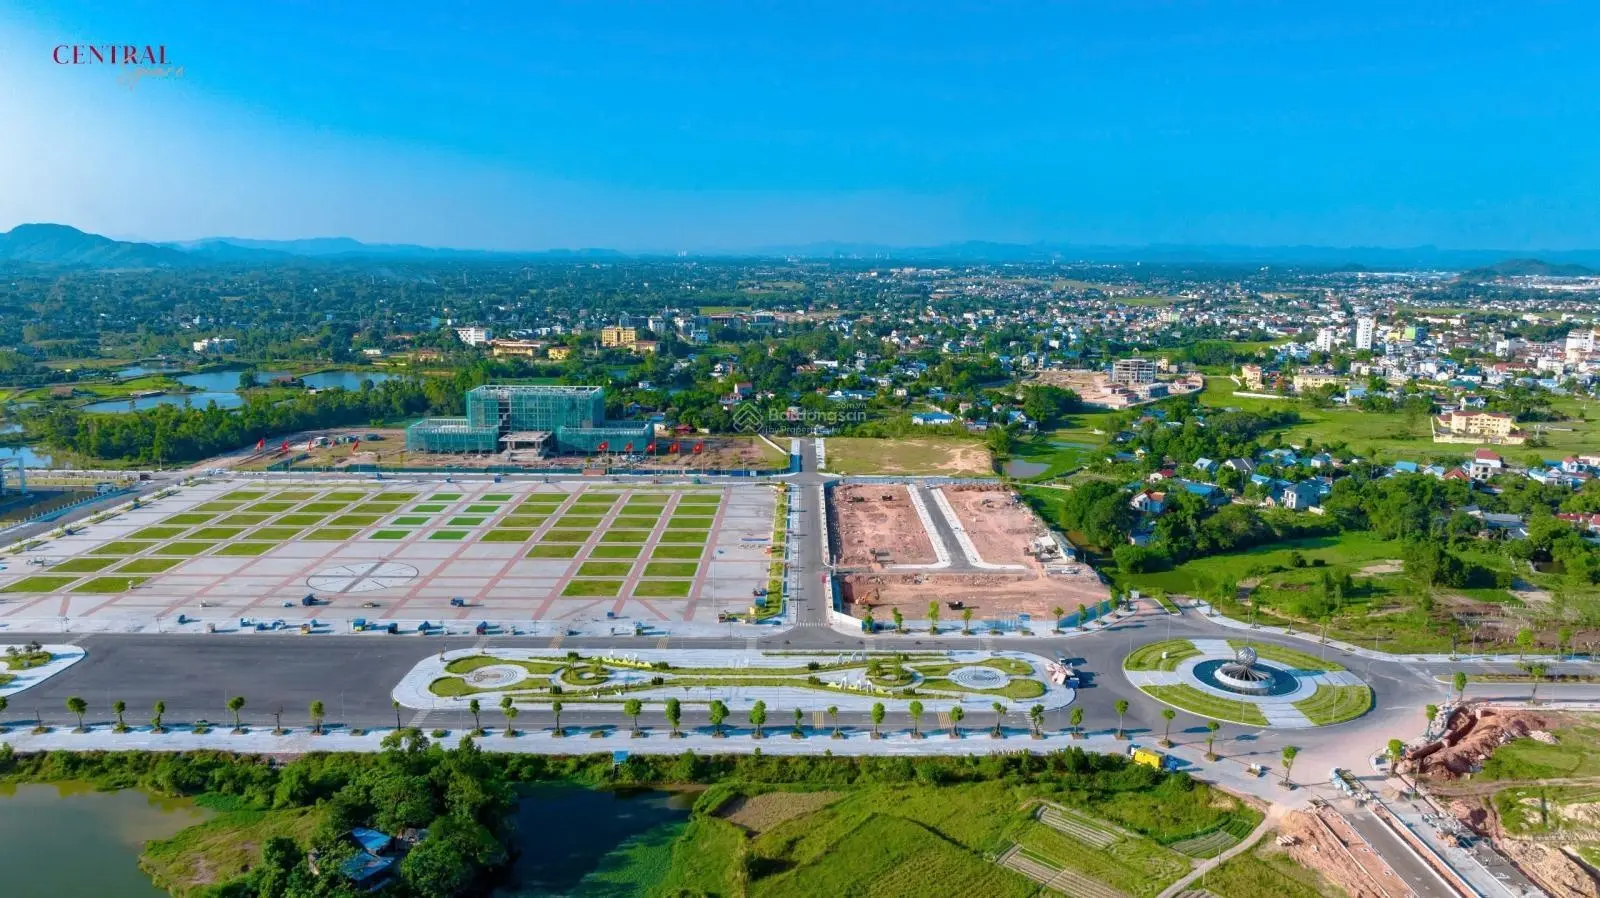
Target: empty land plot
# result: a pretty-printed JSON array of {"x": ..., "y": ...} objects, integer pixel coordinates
[
  {"x": 593, "y": 588},
  {"x": 1000, "y": 525},
  {"x": 927, "y": 455},
  {"x": 879, "y": 518},
  {"x": 991, "y": 596}
]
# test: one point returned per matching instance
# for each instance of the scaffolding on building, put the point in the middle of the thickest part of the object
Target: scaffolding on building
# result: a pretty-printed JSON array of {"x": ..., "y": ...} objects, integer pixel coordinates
[{"x": 527, "y": 416}]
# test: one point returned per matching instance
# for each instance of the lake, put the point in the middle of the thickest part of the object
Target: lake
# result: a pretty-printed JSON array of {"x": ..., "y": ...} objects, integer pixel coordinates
[
  {"x": 30, "y": 458},
  {"x": 67, "y": 839},
  {"x": 222, "y": 388}
]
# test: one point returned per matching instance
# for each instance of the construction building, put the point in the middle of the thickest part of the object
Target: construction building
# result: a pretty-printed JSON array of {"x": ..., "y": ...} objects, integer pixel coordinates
[
  {"x": 1132, "y": 372},
  {"x": 548, "y": 420}
]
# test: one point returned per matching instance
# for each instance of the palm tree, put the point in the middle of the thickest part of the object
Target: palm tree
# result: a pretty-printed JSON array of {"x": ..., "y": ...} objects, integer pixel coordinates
[
  {"x": 1289, "y": 753},
  {"x": 118, "y": 707},
  {"x": 1077, "y": 722},
  {"x": 833, "y": 714},
  {"x": 235, "y": 705},
  {"x": 999, "y": 713},
  {"x": 718, "y": 712},
  {"x": 318, "y": 712},
  {"x": 1122, "y": 709},
  {"x": 632, "y": 707},
  {"x": 79, "y": 707},
  {"x": 899, "y": 621},
  {"x": 933, "y": 618},
  {"x": 510, "y": 711},
  {"x": 1431, "y": 711},
  {"x": 3, "y": 705},
  {"x": 956, "y": 714},
  {"x": 758, "y": 717},
  {"x": 155, "y": 722},
  {"x": 966, "y": 621},
  {"x": 555, "y": 708},
  {"x": 1036, "y": 718},
  {"x": 916, "y": 718},
  {"x": 396, "y": 704},
  {"x": 475, "y": 709},
  {"x": 877, "y": 717},
  {"x": 1166, "y": 734},
  {"x": 1211, "y": 737},
  {"x": 1083, "y": 615},
  {"x": 1059, "y": 613},
  {"x": 1460, "y": 682},
  {"x": 674, "y": 712},
  {"x": 799, "y": 715}
]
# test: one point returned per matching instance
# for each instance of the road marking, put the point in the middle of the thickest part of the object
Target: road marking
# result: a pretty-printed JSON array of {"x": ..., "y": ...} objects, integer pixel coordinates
[
  {"x": 555, "y": 641},
  {"x": 661, "y": 643},
  {"x": 751, "y": 643},
  {"x": 418, "y": 718}
]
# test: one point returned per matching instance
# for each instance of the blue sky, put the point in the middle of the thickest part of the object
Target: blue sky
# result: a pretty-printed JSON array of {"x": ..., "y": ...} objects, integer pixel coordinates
[{"x": 683, "y": 125}]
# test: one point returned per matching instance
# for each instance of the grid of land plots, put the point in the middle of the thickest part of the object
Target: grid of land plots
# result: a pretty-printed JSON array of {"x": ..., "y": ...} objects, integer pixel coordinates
[{"x": 547, "y": 551}]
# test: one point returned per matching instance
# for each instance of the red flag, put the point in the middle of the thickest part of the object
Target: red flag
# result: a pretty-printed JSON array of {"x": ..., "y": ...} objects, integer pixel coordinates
[
  {"x": 673, "y": 447},
  {"x": 628, "y": 449},
  {"x": 261, "y": 444},
  {"x": 604, "y": 445},
  {"x": 650, "y": 447},
  {"x": 285, "y": 447},
  {"x": 356, "y": 447},
  {"x": 699, "y": 446}
]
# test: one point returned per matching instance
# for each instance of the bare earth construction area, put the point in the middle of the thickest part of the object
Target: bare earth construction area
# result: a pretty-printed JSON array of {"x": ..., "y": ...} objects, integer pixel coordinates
[{"x": 993, "y": 554}]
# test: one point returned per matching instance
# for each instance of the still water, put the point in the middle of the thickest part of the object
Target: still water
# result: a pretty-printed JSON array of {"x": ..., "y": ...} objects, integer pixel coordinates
[
  {"x": 66, "y": 839},
  {"x": 29, "y": 457},
  {"x": 222, "y": 388}
]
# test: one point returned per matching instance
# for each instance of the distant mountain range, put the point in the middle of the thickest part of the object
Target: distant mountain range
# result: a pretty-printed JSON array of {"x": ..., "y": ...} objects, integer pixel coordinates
[{"x": 62, "y": 245}]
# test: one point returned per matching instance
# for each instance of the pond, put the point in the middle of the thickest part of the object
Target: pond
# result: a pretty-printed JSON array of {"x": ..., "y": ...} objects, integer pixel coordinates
[
  {"x": 222, "y": 388},
  {"x": 66, "y": 839},
  {"x": 140, "y": 371},
  {"x": 30, "y": 458},
  {"x": 1022, "y": 470},
  {"x": 577, "y": 841},
  {"x": 345, "y": 380}
]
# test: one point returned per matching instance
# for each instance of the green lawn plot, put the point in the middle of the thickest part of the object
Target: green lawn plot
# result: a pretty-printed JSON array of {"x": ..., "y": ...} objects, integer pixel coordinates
[
  {"x": 243, "y": 520},
  {"x": 482, "y": 508},
  {"x": 462, "y": 520},
  {"x": 1576, "y": 753},
  {"x": 148, "y": 566},
  {"x": 272, "y": 507},
  {"x": 1266, "y": 870},
  {"x": 681, "y": 536},
  {"x": 644, "y": 509},
  {"x": 109, "y": 584},
  {"x": 354, "y": 520},
  {"x": 295, "y": 495},
  {"x": 448, "y": 534},
  {"x": 1335, "y": 704},
  {"x": 605, "y": 569},
  {"x": 1207, "y": 705},
  {"x": 663, "y": 589},
  {"x": 244, "y": 495},
  {"x": 323, "y": 507},
  {"x": 276, "y": 533},
  {"x": 375, "y": 508},
  {"x": 218, "y": 506},
  {"x": 699, "y": 499},
  {"x": 610, "y": 552},
  {"x": 411, "y": 520},
  {"x": 1149, "y": 657},
  {"x": 389, "y": 534},
  {"x": 672, "y": 552},
  {"x": 246, "y": 549},
  {"x": 185, "y": 548},
  {"x": 1286, "y": 656},
  {"x": 301, "y": 519},
  {"x": 567, "y": 536},
  {"x": 580, "y": 521},
  {"x": 547, "y": 550},
  {"x": 444, "y": 497},
  {"x": 633, "y": 523},
  {"x": 345, "y": 496},
  {"x": 685, "y": 523},
  {"x": 83, "y": 565},
  {"x": 495, "y": 497},
  {"x": 507, "y": 535},
  {"x": 157, "y": 532},
  {"x": 188, "y": 519},
  {"x": 331, "y": 534},
  {"x": 216, "y": 533},
  {"x": 522, "y": 520},
  {"x": 122, "y": 547},
  {"x": 428, "y": 508},
  {"x": 40, "y": 583},
  {"x": 920, "y": 455},
  {"x": 670, "y": 569},
  {"x": 624, "y": 536},
  {"x": 593, "y": 588}
]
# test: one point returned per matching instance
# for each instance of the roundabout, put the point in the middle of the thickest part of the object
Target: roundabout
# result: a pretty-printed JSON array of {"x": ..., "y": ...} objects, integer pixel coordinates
[{"x": 1248, "y": 683}]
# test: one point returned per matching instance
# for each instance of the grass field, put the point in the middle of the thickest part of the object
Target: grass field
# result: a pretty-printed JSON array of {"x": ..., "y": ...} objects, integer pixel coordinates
[
  {"x": 1265, "y": 871},
  {"x": 1576, "y": 754},
  {"x": 1293, "y": 658},
  {"x": 920, "y": 455},
  {"x": 1148, "y": 657},
  {"x": 1207, "y": 705},
  {"x": 221, "y": 848},
  {"x": 1335, "y": 704}
]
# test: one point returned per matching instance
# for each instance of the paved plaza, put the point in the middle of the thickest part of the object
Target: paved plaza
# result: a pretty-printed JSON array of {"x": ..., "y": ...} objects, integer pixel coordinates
[{"x": 564, "y": 551}]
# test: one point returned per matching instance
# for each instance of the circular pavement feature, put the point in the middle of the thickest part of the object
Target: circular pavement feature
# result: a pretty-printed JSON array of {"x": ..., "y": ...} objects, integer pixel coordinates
[
  {"x": 496, "y": 676},
  {"x": 362, "y": 577},
  {"x": 979, "y": 678}
]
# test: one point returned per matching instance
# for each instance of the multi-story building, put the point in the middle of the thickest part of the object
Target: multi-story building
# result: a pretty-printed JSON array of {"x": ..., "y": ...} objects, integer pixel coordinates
[
  {"x": 1251, "y": 375},
  {"x": 1325, "y": 337},
  {"x": 1310, "y": 380},
  {"x": 1365, "y": 328},
  {"x": 1472, "y": 423},
  {"x": 1132, "y": 372},
  {"x": 473, "y": 336},
  {"x": 618, "y": 336},
  {"x": 560, "y": 420}
]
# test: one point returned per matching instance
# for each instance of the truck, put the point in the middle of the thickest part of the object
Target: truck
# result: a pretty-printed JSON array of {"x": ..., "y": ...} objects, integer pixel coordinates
[{"x": 1149, "y": 757}]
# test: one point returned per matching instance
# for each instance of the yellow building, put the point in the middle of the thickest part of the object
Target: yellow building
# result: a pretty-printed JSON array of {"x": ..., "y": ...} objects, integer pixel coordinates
[
  {"x": 525, "y": 348},
  {"x": 1251, "y": 375},
  {"x": 1304, "y": 382},
  {"x": 1479, "y": 424},
  {"x": 560, "y": 353},
  {"x": 618, "y": 336}
]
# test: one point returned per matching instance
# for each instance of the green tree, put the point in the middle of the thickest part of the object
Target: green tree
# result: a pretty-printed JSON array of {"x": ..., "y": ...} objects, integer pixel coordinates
[
  {"x": 155, "y": 722},
  {"x": 999, "y": 709},
  {"x": 1076, "y": 718},
  {"x": 1431, "y": 711},
  {"x": 1536, "y": 672},
  {"x": 555, "y": 709},
  {"x": 395, "y": 703},
  {"x": 1036, "y": 719},
  {"x": 1460, "y": 682},
  {"x": 318, "y": 713},
  {"x": 1122, "y": 710},
  {"x": 1059, "y": 613},
  {"x": 899, "y": 620},
  {"x": 966, "y": 621},
  {"x": 717, "y": 712},
  {"x": 799, "y": 716},
  {"x": 1167, "y": 714},
  {"x": 956, "y": 715},
  {"x": 933, "y": 617},
  {"x": 1396, "y": 751},
  {"x": 915, "y": 709},
  {"x": 118, "y": 707},
  {"x": 475, "y": 709},
  {"x": 235, "y": 705},
  {"x": 758, "y": 717},
  {"x": 674, "y": 712},
  {"x": 1290, "y": 752},
  {"x": 833, "y": 714},
  {"x": 1211, "y": 739},
  {"x": 632, "y": 708},
  {"x": 79, "y": 707},
  {"x": 878, "y": 713},
  {"x": 510, "y": 711},
  {"x": 1524, "y": 642}
]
